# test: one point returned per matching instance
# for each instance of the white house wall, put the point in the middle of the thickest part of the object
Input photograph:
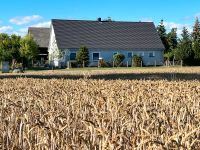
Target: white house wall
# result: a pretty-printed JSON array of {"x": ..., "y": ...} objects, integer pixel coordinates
[
  {"x": 107, "y": 55},
  {"x": 53, "y": 49}
]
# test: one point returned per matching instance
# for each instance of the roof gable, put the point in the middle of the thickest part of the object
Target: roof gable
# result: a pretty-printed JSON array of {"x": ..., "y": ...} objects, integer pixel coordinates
[
  {"x": 40, "y": 35},
  {"x": 106, "y": 35}
]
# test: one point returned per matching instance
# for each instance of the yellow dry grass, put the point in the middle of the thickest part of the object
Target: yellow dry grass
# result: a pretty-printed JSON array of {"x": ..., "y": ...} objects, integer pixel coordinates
[{"x": 101, "y": 114}]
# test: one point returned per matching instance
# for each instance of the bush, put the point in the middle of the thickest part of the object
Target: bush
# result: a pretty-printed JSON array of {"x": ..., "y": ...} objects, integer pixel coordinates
[
  {"x": 83, "y": 56},
  {"x": 118, "y": 59},
  {"x": 16, "y": 66},
  {"x": 102, "y": 63},
  {"x": 137, "y": 60}
]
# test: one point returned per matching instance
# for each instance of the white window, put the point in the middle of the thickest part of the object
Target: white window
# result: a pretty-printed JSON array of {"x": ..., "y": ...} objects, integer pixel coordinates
[
  {"x": 129, "y": 55},
  {"x": 115, "y": 53},
  {"x": 95, "y": 56},
  {"x": 141, "y": 54},
  {"x": 151, "y": 54},
  {"x": 72, "y": 56}
]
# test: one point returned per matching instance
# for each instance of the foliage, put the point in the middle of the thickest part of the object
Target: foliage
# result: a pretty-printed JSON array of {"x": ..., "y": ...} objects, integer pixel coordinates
[
  {"x": 102, "y": 63},
  {"x": 28, "y": 47},
  {"x": 184, "y": 49},
  {"x": 169, "y": 55},
  {"x": 196, "y": 41},
  {"x": 163, "y": 35},
  {"x": 118, "y": 59},
  {"x": 172, "y": 39},
  {"x": 83, "y": 56},
  {"x": 137, "y": 61},
  {"x": 16, "y": 66},
  {"x": 196, "y": 30},
  {"x": 5, "y": 47}
]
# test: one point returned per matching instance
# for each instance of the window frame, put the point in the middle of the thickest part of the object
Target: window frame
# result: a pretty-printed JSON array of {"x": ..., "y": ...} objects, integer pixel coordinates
[
  {"x": 129, "y": 53},
  {"x": 141, "y": 54},
  {"x": 153, "y": 54},
  {"x": 70, "y": 56},
  {"x": 93, "y": 56}
]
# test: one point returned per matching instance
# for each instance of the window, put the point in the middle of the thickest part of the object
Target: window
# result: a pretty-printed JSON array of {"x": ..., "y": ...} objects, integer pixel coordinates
[
  {"x": 114, "y": 53},
  {"x": 95, "y": 56},
  {"x": 129, "y": 54},
  {"x": 141, "y": 54},
  {"x": 72, "y": 56},
  {"x": 151, "y": 54}
]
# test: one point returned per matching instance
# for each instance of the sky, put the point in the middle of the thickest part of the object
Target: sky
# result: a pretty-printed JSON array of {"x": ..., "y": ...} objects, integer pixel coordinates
[{"x": 17, "y": 15}]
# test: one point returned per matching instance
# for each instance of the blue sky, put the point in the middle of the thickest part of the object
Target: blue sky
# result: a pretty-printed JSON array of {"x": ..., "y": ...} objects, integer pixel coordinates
[{"x": 17, "y": 15}]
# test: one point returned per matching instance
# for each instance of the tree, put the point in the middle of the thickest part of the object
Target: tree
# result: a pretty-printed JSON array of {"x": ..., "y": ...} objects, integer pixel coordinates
[
  {"x": 172, "y": 42},
  {"x": 15, "y": 46},
  {"x": 196, "y": 41},
  {"x": 196, "y": 30},
  {"x": 28, "y": 48},
  {"x": 184, "y": 49},
  {"x": 163, "y": 36},
  {"x": 137, "y": 61},
  {"x": 82, "y": 56},
  {"x": 172, "y": 39},
  {"x": 118, "y": 59},
  {"x": 5, "y": 47}
]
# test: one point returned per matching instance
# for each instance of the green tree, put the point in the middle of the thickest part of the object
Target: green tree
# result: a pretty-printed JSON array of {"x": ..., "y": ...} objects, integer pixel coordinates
[
  {"x": 172, "y": 39},
  {"x": 15, "y": 42},
  {"x": 196, "y": 31},
  {"x": 163, "y": 35},
  {"x": 196, "y": 41},
  {"x": 118, "y": 59},
  {"x": 137, "y": 61},
  {"x": 5, "y": 47},
  {"x": 28, "y": 48},
  {"x": 184, "y": 49},
  {"x": 83, "y": 56}
]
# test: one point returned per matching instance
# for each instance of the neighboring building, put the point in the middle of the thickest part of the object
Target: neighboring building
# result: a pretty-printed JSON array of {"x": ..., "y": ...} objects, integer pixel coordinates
[
  {"x": 41, "y": 36},
  {"x": 104, "y": 39}
]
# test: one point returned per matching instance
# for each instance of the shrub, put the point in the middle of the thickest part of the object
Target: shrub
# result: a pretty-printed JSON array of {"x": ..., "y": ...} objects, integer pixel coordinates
[
  {"x": 118, "y": 59},
  {"x": 16, "y": 66},
  {"x": 83, "y": 56},
  {"x": 137, "y": 60},
  {"x": 102, "y": 63}
]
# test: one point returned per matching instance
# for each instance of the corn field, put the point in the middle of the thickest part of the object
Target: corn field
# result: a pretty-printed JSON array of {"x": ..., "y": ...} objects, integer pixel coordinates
[{"x": 99, "y": 114}]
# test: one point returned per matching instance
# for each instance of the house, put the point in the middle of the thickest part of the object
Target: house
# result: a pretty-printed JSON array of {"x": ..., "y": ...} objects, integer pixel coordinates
[
  {"x": 104, "y": 39},
  {"x": 41, "y": 36}
]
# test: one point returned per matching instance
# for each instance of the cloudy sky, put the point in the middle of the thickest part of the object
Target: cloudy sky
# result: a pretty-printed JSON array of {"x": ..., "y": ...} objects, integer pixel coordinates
[{"x": 17, "y": 15}]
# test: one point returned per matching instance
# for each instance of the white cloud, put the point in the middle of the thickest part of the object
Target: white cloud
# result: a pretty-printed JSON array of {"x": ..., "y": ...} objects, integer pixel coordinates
[
  {"x": 147, "y": 20},
  {"x": 170, "y": 25},
  {"x": 21, "y": 32},
  {"x": 197, "y": 15},
  {"x": 42, "y": 24},
  {"x": 6, "y": 29},
  {"x": 25, "y": 19}
]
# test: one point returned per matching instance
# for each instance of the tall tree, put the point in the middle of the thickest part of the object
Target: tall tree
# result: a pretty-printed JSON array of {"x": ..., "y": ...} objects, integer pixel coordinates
[
  {"x": 196, "y": 30},
  {"x": 172, "y": 39},
  {"x": 83, "y": 56},
  {"x": 28, "y": 48},
  {"x": 196, "y": 41},
  {"x": 184, "y": 49},
  {"x": 163, "y": 35},
  {"x": 5, "y": 47},
  {"x": 15, "y": 42}
]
